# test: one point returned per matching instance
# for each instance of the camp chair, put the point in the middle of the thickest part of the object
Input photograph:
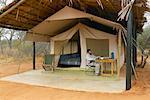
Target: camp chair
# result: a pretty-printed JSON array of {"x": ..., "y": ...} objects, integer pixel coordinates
[
  {"x": 90, "y": 68},
  {"x": 48, "y": 63}
]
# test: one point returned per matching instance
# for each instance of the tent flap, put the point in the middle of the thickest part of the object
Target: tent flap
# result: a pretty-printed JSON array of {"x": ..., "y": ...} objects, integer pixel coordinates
[{"x": 37, "y": 37}]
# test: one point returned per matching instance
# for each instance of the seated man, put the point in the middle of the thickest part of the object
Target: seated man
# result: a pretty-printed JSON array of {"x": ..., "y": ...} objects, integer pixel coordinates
[{"x": 90, "y": 58}]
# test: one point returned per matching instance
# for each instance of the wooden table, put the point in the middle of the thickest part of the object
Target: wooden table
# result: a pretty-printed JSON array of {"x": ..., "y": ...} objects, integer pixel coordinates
[{"x": 109, "y": 61}]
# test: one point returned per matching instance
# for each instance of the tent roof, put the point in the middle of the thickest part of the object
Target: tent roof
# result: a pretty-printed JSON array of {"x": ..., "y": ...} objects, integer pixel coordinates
[
  {"x": 46, "y": 38},
  {"x": 25, "y": 14},
  {"x": 65, "y": 19},
  {"x": 71, "y": 13}
]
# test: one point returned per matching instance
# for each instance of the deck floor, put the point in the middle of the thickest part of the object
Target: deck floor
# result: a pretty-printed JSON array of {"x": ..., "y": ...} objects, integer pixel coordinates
[{"x": 69, "y": 79}]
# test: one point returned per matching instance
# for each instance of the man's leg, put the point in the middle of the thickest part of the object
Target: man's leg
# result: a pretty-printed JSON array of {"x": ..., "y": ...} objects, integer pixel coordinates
[{"x": 97, "y": 68}]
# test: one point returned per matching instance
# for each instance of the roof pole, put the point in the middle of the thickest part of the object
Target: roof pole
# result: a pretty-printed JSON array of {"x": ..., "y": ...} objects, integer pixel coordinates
[
  {"x": 129, "y": 51},
  {"x": 33, "y": 55},
  {"x": 12, "y": 8},
  {"x": 134, "y": 46},
  {"x": 119, "y": 54}
]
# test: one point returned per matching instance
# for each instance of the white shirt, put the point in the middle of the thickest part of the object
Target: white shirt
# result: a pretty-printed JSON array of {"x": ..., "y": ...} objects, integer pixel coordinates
[{"x": 90, "y": 57}]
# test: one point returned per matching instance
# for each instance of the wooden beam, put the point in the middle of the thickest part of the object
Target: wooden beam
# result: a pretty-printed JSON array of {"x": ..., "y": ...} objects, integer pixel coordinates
[
  {"x": 46, "y": 6},
  {"x": 24, "y": 18},
  {"x": 15, "y": 24},
  {"x": 119, "y": 54},
  {"x": 129, "y": 51},
  {"x": 31, "y": 14},
  {"x": 40, "y": 7},
  {"x": 11, "y": 27},
  {"x": 17, "y": 14},
  {"x": 34, "y": 55},
  {"x": 18, "y": 23},
  {"x": 110, "y": 5},
  {"x": 12, "y": 8}
]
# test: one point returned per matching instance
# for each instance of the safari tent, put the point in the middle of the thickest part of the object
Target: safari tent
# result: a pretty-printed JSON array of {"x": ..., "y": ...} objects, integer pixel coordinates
[
  {"x": 101, "y": 42},
  {"x": 43, "y": 21}
]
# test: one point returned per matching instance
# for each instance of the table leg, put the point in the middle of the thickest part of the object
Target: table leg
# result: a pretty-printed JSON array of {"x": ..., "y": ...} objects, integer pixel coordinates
[
  {"x": 112, "y": 68},
  {"x": 101, "y": 68}
]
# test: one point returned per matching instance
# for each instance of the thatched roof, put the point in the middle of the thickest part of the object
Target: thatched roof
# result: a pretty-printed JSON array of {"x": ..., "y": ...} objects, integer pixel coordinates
[{"x": 25, "y": 14}]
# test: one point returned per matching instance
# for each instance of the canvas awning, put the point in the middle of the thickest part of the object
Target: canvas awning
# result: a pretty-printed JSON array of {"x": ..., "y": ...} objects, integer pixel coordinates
[{"x": 63, "y": 20}]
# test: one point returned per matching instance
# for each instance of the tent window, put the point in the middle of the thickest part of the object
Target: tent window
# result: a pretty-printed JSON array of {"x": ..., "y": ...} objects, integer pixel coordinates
[{"x": 99, "y": 47}]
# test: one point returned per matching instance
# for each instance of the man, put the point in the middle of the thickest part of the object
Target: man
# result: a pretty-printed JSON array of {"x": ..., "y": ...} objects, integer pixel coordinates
[{"x": 90, "y": 60}]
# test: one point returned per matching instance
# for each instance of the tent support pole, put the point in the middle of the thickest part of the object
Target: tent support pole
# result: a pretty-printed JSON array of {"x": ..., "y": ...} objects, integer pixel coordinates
[
  {"x": 134, "y": 47},
  {"x": 33, "y": 55},
  {"x": 129, "y": 51},
  {"x": 119, "y": 53}
]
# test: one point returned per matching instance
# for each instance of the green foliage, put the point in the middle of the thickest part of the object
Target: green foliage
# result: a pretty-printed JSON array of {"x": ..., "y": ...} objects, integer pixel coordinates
[{"x": 144, "y": 39}]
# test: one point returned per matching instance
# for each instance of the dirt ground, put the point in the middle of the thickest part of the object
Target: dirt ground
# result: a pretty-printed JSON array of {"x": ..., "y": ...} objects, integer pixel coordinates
[{"x": 16, "y": 91}]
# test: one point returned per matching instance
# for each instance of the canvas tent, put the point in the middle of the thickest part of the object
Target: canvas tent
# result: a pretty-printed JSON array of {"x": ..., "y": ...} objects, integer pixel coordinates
[
  {"x": 64, "y": 20},
  {"x": 15, "y": 16},
  {"x": 85, "y": 33}
]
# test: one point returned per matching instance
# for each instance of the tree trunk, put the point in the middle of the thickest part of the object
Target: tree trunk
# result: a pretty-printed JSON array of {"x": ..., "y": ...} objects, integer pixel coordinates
[
  {"x": 1, "y": 46},
  {"x": 144, "y": 61},
  {"x": 10, "y": 41},
  {"x": 10, "y": 45}
]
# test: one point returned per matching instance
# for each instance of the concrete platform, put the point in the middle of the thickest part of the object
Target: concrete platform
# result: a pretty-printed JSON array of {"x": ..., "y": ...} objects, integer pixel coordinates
[{"x": 70, "y": 80}]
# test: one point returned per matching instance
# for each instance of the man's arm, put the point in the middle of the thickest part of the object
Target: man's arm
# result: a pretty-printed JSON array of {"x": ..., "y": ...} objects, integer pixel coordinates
[{"x": 90, "y": 57}]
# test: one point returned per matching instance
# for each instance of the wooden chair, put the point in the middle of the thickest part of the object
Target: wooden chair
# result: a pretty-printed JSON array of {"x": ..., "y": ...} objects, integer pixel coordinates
[{"x": 48, "y": 63}]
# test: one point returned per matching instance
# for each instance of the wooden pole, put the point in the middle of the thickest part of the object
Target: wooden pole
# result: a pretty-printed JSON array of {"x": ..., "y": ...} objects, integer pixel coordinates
[
  {"x": 17, "y": 15},
  {"x": 129, "y": 51},
  {"x": 12, "y": 8},
  {"x": 119, "y": 53},
  {"x": 33, "y": 55},
  {"x": 134, "y": 47}
]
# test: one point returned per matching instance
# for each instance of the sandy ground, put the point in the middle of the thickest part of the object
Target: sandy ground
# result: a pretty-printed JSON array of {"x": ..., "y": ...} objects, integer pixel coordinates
[{"x": 16, "y": 91}]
